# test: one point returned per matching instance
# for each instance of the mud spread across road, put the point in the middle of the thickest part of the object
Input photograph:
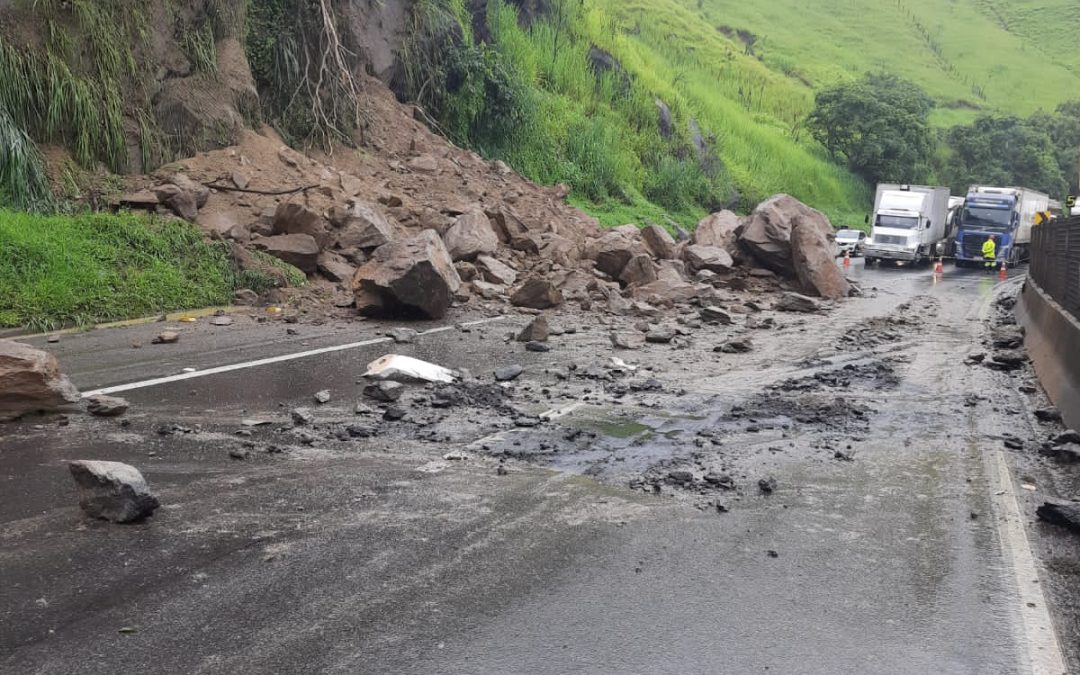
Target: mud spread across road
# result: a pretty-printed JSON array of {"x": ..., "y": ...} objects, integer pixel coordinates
[{"x": 598, "y": 507}]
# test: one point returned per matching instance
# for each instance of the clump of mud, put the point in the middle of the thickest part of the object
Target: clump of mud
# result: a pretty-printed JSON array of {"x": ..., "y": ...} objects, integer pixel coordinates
[{"x": 898, "y": 325}]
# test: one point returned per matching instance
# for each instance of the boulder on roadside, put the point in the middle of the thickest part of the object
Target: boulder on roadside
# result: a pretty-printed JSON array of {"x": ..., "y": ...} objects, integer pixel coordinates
[
  {"x": 30, "y": 381},
  {"x": 712, "y": 314},
  {"x": 659, "y": 241},
  {"x": 495, "y": 271},
  {"x": 796, "y": 302},
  {"x": 299, "y": 250},
  {"x": 710, "y": 258},
  {"x": 767, "y": 233},
  {"x": 295, "y": 218},
  {"x": 537, "y": 293},
  {"x": 1064, "y": 515},
  {"x": 537, "y": 330},
  {"x": 639, "y": 271},
  {"x": 362, "y": 226},
  {"x": 613, "y": 251},
  {"x": 719, "y": 230},
  {"x": 334, "y": 267},
  {"x": 384, "y": 391},
  {"x": 178, "y": 201},
  {"x": 812, "y": 254},
  {"x": 471, "y": 236},
  {"x": 113, "y": 491},
  {"x": 628, "y": 340},
  {"x": 412, "y": 277}
]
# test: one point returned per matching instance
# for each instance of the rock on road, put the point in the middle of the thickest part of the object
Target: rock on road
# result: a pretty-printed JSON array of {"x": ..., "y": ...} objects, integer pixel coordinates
[{"x": 384, "y": 556}]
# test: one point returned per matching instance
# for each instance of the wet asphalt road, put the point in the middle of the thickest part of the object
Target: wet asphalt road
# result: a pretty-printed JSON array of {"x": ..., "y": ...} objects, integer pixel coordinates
[{"x": 384, "y": 559}]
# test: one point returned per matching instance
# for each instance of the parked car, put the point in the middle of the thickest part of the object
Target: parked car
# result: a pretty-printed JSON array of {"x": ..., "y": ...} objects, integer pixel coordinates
[{"x": 850, "y": 240}]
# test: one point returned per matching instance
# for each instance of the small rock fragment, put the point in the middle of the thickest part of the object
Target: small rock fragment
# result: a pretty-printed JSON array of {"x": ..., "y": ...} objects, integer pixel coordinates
[
  {"x": 322, "y": 397},
  {"x": 508, "y": 373},
  {"x": 385, "y": 391},
  {"x": 166, "y": 338},
  {"x": 538, "y": 347},
  {"x": 106, "y": 406},
  {"x": 302, "y": 417}
]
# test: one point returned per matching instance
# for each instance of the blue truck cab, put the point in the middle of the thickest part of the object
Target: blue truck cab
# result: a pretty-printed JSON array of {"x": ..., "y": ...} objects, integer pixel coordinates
[{"x": 1007, "y": 213}]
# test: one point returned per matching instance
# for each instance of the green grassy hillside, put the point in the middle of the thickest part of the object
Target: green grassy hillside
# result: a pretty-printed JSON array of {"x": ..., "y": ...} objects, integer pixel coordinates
[{"x": 746, "y": 75}]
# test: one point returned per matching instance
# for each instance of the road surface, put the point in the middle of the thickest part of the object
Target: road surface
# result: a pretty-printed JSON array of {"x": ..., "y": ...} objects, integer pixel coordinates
[{"x": 896, "y": 539}]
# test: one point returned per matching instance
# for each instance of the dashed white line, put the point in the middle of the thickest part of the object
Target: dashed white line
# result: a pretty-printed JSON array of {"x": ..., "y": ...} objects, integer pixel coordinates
[{"x": 268, "y": 361}]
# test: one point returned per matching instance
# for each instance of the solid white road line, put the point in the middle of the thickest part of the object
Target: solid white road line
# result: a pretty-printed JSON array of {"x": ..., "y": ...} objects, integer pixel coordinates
[
  {"x": 268, "y": 361},
  {"x": 1041, "y": 640}
]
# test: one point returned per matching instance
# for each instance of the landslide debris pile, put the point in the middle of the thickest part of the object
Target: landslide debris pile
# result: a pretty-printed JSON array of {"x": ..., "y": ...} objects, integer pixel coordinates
[{"x": 420, "y": 225}]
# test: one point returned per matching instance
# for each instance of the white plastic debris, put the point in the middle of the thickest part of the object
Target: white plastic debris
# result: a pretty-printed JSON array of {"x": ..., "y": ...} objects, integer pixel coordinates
[
  {"x": 619, "y": 364},
  {"x": 407, "y": 369}
]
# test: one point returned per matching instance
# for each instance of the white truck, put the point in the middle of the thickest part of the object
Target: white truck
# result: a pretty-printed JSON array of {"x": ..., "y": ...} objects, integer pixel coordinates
[
  {"x": 910, "y": 224},
  {"x": 1007, "y": 213}
]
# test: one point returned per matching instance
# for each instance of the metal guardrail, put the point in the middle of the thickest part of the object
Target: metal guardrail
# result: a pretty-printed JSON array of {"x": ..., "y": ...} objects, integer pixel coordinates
[{"x": 1055, "y": 261}]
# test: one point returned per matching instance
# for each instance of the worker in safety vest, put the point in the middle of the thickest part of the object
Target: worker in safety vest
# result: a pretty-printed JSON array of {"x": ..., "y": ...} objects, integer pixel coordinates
[{"x": 990, "y": 253}]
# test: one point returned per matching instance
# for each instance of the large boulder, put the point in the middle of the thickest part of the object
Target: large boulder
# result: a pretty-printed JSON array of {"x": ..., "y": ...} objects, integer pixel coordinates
[
  {"x": 295, "y": 218},
  {"x": 362, "y": 226},
  {"x": 613, "y": 251},
  {"x": 767, "y": 234},
  {"x": 815, "y": 264},
  {"x": 412, "y": 277},
  {"x": 639, "y": 271},
  {"x": 299, "y": 250},
  {"x": 113, "y": 491},
  {"x": 710, "y": 258},
  {"x": 471, "y": 236},
  {"x": 719, "y": 230},
  {"x": 30, "y": 381},
  {"x": 660, "y": 242},
  {"x": 537, "y": 293}
]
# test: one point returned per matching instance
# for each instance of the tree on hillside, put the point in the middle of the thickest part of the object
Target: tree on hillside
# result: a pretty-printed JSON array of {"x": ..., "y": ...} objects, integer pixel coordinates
[
  {"x": 1002, "y": 151},
  {"x": 880, "y": 125},
  {"x": 1063, "y": 128}
]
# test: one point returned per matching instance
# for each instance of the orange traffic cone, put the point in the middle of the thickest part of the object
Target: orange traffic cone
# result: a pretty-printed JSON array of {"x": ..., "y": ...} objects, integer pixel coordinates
[
  {"x": 939, "y": 267},
  {"x": 847, "y": 258},
  {"x": 1003, "y": 273}
]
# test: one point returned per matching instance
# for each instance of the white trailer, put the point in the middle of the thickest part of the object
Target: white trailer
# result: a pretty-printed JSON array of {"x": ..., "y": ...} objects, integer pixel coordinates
[{"x": 911, "y": 223}]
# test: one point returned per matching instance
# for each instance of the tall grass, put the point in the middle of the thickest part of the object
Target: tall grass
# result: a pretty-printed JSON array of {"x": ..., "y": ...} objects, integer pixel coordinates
[
  {"x": 23, "y": 183},
  {"x": 82, "y": 269}
]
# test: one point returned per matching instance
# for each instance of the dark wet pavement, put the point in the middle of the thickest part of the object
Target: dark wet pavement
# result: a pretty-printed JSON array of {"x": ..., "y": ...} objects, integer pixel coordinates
[{"x": 378, "y": 556}]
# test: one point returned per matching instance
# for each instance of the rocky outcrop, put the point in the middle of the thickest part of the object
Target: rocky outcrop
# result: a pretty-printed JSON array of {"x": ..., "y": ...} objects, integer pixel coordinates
[
  {"x": 113, "y": 491},
  {"x": 31, "y": 381},
  {"x": 408, "y": 278}
]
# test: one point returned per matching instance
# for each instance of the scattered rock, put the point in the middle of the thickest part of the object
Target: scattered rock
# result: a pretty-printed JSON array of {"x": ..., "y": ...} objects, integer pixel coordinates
[
  {"x": 1007, "y": 360},
  {"x": 768, "y": 231},
  {"x": 713, "y": 314},
  {"x": 613, "y": 251},
  {"x": 335, "y": 267},
  {"x": 402, "y": 336},
  {"x": 660, "y": 336},
  {"x": 302, "y": 417},
  {"x": 1067, "y": 437},
  {"x": 627, "y": 340},
  {"x": 740, "y": 346},
  {"x": 508, "y": 373},
  {"x": 495, "y": 272},
  {"x": 362, "y": 226},
  {"x": 385, "y": 392},
  {"x": 295, "y": 218},
  {"x": 410, "y": 277},
  {"x": 113, "y": 491},
  {"x": 168, "y": 337},
  {"x": 813, "y": 257},
  {"x": 30, "y": 381},
  {"x": 423, "y": 164},
  {"x": 720, "y": 230},
  {"x": 539, "y": 347},
  {"x": 1064, "y": 515},
  {"x": 221, "y": 321},
  {"x": 1048, "y": 415},
  {"x": 322, "y": 397},
  {"x": 537, "y": 293},
  {"x": 795, "y": 302},
  {"x": 639, "y": 271},
  {"x": 106, "y": 406},
  {"x": 537, "y": 330},
  {"x": 767, "y": 485},
  {"x": 394, "y": 413}
]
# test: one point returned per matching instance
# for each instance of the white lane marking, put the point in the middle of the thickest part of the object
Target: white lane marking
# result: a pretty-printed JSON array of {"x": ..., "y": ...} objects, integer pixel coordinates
[
  {"x": 1041, "y": 641},
  {"x": 556, "y": 413},
  {"x": 268, "y": 361}
]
